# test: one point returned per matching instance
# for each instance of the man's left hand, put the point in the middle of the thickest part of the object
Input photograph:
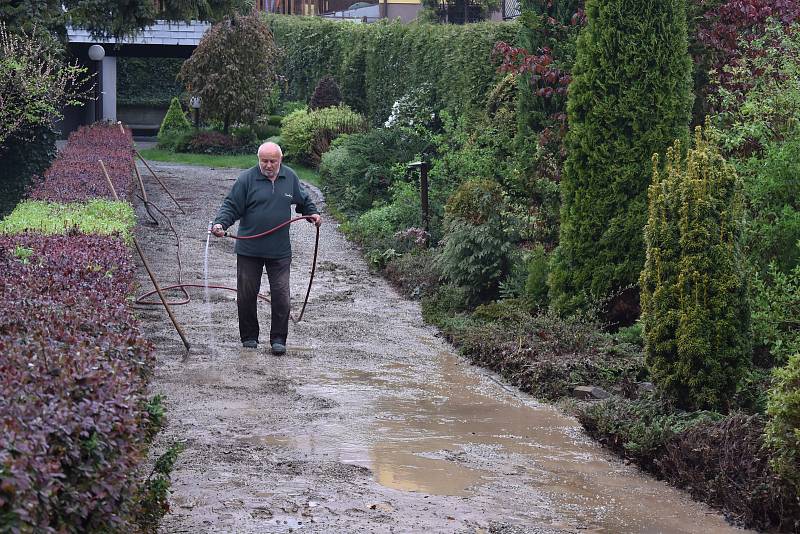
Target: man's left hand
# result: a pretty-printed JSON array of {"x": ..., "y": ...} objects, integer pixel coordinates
[{"x": 316, "y": 219}]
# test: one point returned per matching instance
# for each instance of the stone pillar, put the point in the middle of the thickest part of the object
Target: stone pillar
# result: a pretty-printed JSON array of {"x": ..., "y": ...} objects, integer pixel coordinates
[{"x": 110, "y": 88}]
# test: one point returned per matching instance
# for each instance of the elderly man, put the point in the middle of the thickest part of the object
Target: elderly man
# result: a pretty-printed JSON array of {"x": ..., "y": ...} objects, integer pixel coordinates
[{"x": 261, "y": 199}]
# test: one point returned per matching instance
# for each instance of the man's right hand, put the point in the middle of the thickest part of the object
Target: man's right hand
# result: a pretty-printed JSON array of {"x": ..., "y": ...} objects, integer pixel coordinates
[{"x": 217, "y": 230}]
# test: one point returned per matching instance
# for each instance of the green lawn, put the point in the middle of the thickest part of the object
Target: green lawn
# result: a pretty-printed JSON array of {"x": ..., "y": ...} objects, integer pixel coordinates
[{"x": 307, "y": 174}]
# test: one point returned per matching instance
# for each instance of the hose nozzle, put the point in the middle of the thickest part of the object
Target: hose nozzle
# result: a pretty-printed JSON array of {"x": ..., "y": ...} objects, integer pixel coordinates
[{"x": 210, "y": 225}]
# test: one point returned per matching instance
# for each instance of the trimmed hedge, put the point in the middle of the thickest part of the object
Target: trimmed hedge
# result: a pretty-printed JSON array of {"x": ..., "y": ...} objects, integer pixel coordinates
[
  {"x": 379, "y": 63},
  {"x": 76, "y": 174},
  {"x": 74, "y": 366},
  {"x": 72, "y": 383},
  {"x": 94, "y": 217}
]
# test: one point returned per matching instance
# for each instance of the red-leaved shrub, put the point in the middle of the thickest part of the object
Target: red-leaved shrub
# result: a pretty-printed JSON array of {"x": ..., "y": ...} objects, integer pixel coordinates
[
  {"x": 73, "y": 370},
  {"x": 75, "y": 175}
]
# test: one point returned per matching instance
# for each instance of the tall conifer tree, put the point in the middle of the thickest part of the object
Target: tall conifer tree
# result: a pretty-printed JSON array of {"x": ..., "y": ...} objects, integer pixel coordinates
[
  {"x": 695, "y": 311},
  {"x": 630, "y": 97}
]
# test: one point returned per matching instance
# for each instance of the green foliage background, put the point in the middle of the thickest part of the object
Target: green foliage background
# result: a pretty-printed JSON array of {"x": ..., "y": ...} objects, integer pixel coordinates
[
  {"x": 21, "y": 161},
  {"x": 379, "y": 63},
  {"x": 147, "y": 81},
  {"x": 630, "y": 97}
]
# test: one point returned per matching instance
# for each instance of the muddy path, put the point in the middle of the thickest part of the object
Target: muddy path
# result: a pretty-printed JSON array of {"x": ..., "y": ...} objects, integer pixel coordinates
[{"x": 370, "y": 423}]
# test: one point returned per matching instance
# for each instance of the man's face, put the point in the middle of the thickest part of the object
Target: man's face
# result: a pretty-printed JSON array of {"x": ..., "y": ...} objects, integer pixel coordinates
[{"x": 269, "y": 162}]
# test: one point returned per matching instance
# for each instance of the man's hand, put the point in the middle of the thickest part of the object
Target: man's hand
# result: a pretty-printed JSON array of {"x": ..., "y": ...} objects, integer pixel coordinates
[
  {"x": 217, "y": 230},
  {"x": 316, "y": 219}
]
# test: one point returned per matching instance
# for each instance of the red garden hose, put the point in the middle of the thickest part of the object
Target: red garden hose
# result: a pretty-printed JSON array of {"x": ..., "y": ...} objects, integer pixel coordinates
[{"x": 182, "y": 286}]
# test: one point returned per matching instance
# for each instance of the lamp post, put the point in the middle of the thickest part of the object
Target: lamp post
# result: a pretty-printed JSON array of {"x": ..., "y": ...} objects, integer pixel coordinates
[
  {"x": 97, "y": 53},
  {"x": 423, "y": 166},
  {"x": 195, "y": 103}
]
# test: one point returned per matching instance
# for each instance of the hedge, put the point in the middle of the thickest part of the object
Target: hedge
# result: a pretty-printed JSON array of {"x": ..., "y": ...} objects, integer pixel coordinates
[
  {"x": 76, "y": 174},
  {"x": 147, "y": 81},
  {"x": 74, "y": 364},
  {"x": 72, "y": 383},
  {"x": 378, "y": 63}
]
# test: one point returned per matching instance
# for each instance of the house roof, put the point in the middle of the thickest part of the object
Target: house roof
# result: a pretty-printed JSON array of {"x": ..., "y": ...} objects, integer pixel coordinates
[{"x": 160, "y": 33}]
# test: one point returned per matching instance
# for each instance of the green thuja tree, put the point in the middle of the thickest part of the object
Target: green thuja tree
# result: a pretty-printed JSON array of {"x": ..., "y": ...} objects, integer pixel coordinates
[
  {"x": 695, "y": 312},
  {"x": 173, "y": 126},
  {"x": 630, "y": 97},
  {"x": 175, "y": 120}
]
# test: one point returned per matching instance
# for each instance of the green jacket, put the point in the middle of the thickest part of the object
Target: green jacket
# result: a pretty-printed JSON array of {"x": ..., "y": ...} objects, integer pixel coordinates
[{"x": 260, "y": 204}]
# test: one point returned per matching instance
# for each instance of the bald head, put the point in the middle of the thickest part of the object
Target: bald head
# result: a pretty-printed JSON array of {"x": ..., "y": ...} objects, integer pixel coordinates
[
  {"x": 270, "y": 148},
  {"x": 270, "y": 156}
]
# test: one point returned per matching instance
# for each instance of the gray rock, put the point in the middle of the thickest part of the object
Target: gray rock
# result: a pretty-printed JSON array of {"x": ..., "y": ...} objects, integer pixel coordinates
[{"x": 590, "y": 393}]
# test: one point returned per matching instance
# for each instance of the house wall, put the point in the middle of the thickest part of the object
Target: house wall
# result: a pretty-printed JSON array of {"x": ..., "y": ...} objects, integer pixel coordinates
[{"x": 406, "y": 10}]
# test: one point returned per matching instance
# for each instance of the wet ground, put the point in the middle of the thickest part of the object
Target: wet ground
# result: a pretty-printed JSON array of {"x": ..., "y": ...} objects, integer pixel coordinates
[{"x": 370, "y": 423}]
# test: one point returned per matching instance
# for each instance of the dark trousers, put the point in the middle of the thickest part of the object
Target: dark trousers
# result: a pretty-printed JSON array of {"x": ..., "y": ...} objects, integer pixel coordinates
[{"x": 248, "y": 284}]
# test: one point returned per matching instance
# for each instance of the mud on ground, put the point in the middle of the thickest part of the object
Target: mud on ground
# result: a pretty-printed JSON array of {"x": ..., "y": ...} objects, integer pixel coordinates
[{"x": 370, "y": 422}]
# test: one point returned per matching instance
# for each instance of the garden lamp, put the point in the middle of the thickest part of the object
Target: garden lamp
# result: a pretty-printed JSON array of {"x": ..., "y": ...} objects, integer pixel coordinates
[
  {"x": 97, "y": 53},
  {"x": 195, "y": 103}
]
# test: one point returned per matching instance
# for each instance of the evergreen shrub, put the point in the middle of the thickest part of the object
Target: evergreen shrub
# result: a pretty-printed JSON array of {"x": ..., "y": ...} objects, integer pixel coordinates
[
  {"x": 775, "y": 309},
  {"x": 23, "y": 159},
  {"x": 359, "y": 170},
  {"x": 174, "y": 124},
  {"x": 783, "y": 427},
  {"x": 475, "y": 253},
  {"x": 695, "y": 311},
  {"x": 630, "y": 97},
  {"x": 326, "y": 94},
  {"x": 307, "y": 135},
  {"x": 536, "y": 283}
]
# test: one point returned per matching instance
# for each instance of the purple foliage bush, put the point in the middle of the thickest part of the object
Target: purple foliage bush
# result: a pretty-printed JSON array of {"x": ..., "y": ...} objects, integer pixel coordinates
[
  {"x": 75, "y": 175},
  {"x": 73, "y": 370}
]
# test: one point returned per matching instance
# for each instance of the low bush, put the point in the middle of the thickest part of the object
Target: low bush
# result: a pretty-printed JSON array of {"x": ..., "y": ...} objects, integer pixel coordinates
[
  {"x": 97, "y": 216},
  {"x": 72, "y": 386},
  {"x": 783, "y": 428},
  {"x": 360, "y": 168},
  {"x": 775, "y": 309},
  {"x": 378, "y": 226},
  {"x": 414, "y": 274},
  {"x": 212, "y": 142},
  {"x": 75, "y": 175},
  {"x": 542, "y": 354},
  {"x": 726, "y": 464},
  {"x": 640, "y": 428},
  {"x": 308, "y": 134}
]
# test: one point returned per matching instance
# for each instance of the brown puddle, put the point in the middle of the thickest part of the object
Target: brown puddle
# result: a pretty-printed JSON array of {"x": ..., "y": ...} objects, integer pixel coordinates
[{"x": 435, "y": 425}]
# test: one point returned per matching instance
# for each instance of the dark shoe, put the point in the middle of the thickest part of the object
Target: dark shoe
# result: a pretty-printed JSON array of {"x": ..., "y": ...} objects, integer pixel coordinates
[
  {"x": 278, "y": 348},
  {"x": 250, "y": 344}
]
